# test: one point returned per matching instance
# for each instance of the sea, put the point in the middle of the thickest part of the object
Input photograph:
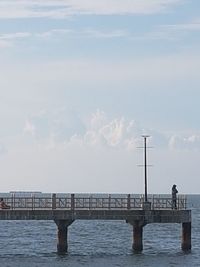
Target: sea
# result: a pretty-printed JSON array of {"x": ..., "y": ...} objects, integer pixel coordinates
[{"x": 98, "y": 244}]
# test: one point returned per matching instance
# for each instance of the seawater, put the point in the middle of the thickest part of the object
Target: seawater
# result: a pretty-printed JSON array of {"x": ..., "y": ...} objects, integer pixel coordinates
[{"x": 98, "y": 244}]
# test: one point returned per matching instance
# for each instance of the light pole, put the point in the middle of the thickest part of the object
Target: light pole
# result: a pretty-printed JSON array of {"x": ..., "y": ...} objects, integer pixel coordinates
[{"x": 145, "y": 166}]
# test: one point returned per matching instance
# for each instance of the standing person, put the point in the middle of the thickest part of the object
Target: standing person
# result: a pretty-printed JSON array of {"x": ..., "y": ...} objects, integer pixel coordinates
[{"x": 174, "y": 193}]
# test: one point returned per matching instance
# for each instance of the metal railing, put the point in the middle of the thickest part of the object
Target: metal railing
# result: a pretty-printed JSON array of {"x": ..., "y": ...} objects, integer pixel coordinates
[{"x": 92, "y": 202}]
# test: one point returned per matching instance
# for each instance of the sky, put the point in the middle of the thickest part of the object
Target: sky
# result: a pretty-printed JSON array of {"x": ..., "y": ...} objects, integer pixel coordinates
[{"x": 82, "y": 80}]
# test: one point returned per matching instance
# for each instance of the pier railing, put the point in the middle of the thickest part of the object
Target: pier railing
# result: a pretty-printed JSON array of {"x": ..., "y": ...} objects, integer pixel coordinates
[{"x": 92, "y": 202}]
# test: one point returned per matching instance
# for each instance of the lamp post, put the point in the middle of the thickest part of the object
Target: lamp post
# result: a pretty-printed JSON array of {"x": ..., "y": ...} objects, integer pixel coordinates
[{"x": 145, "y": 166}]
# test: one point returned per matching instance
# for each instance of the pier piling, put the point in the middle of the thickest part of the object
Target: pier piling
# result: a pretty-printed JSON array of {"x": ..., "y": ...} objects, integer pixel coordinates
[
  {"x": 62, "y": 243},
  {"x": 137, "y": 235},
  {"x": 186, "y": 236}
]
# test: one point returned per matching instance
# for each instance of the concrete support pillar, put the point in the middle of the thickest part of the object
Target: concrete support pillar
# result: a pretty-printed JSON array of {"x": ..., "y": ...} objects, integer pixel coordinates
[
  {"x": 137, "y": 236},
  {"x": 186, "y": 236},
  {"x": 62, "y": 244}
]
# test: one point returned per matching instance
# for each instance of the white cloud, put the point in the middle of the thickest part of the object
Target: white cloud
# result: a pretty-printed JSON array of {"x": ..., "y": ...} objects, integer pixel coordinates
[
  {"x": 102, "y": 158},
  {"x": 121, "y": 7},
  {"x": 53, "y": 33},
  {"x": 98, "y": 120},
  {"x": 58, "y": 125},
  {"x": 114, "y": 132},
  {"x": 29, "y": 128},
  {"x": 171, "y": 32},
  {"x": 191, "y": 142},
  {"x": 87, "y": 33},
  {"x": 7, "y": 40},
  {"x": 103, "y": 34},
  {"x": 193, "y": 25},
  {"x": 16, "y": 35},
  {"x": 98, "y": 131},
  {"x": 64, "y": 8},
  {"x": 56, "y": 129}
]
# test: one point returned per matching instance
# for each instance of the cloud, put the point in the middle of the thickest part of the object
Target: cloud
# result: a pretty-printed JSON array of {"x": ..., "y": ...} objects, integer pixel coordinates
[
  {"x": 167, "y": 32},
  {"x": 65, "y": 8},
  {"x": 88, "y": 33},
  {"x": 61, "y": 128},
  {"x": 29, "y": 128},
  {"x": 97, "y": 131},
  {"x": 112, "y": 7},
  {"x": 175, "y": 31},
  {"x": 171, "y": 32},
  {"x": 54, "y": 33},
  {"x": 7, "y": 40},
  {"x": 191, "y": 142},
  {"x": 190, "y": 26},
  {"x": 16, "y": 35},
  {"x": 57, "y": 129},
  {"x": 99, "y": 156},
  {"x": 105, "y": 34},
  {"x": 58, "y": 125}
]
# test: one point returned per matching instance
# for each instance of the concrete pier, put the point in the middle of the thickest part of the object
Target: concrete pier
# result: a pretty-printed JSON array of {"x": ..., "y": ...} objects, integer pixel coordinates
[
  {"x": 137, "y": 236},
  {"x": 186, "y": 236},
  {"x": 63, "y": 210},
  {"x": 62, "y": 244}
]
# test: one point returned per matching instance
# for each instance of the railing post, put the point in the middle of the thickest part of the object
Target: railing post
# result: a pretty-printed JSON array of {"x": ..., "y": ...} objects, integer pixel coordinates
[
  {"x": 90, "y": 202},
  {"x": 185, "y": 202},
  {"x": 53, "y": 201},
  {"x": 141, "y": 200},
  {"x": 33, "y": 201},
  {"x": 109, "y": 201},
  {"x": 153, "y": 202},
  {"x": 178, "y": 203},
  {"x": 12, "y": 201},
  {"x": 72, "y": 202},
  {"x": 129, "y": 202}
]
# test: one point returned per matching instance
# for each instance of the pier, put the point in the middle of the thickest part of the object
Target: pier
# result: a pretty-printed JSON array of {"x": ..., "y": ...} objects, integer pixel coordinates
[{"x": 64, "y": 209}]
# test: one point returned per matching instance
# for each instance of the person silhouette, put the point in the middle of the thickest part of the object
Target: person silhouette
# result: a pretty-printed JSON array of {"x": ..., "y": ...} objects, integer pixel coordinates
[{"x": 174, "y": 198}]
